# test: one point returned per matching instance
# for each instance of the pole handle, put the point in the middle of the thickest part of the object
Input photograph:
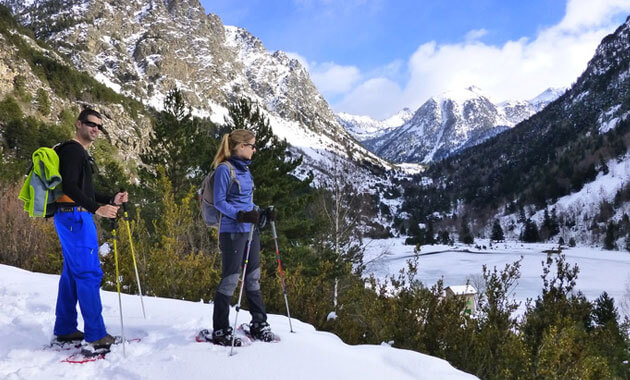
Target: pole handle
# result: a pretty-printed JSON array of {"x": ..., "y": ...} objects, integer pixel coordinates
[
  {"x": 124, "y": 205},
  {"x": 273, "y": 223},
  {"x": 273, "y": 229}
]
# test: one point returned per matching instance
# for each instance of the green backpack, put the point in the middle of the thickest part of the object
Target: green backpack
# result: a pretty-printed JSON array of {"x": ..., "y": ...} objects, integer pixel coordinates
[{"x": 43, "y": 183}]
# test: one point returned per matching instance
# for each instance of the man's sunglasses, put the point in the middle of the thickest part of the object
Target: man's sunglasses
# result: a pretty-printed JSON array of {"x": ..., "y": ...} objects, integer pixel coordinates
[
  {"x": 92, "y": 124},
  {"x": 250, "y": 145}
]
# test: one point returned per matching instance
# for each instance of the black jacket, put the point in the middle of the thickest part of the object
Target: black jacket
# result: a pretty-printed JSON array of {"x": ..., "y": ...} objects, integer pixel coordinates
[{"x": 75, "y": 167}]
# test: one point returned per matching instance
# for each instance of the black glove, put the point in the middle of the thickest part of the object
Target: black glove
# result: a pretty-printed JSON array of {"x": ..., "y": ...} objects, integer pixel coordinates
[
  {"x": 247, "y": 216},
  {"x": 262, "y": 220},
  {"x": 271, "y": 214}
]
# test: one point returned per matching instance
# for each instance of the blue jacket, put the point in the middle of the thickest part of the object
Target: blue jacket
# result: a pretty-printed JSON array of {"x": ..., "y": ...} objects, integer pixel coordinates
[{"x": 239, "y": 197}]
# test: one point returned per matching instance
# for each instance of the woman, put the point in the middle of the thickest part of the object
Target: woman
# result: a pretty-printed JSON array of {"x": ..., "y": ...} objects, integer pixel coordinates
[{"x": 233, "y": 197}]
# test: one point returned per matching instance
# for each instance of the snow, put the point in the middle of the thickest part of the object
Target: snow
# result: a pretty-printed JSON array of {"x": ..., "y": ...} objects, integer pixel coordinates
[
  {"x": 548, "y": 96},
  {"x": 410, "y": 168},
  {"x": 606, "y": 120},
  {"x": 600, "y": 270},
  {"x": 168, "y": 349},
  {"x": 363, "y": 127},
  {"x": 107, "y": 82},
  {"x": 462, "y": 289},
  {"x": 579, "y": 205},
  {"x": 461, "y": 95}
]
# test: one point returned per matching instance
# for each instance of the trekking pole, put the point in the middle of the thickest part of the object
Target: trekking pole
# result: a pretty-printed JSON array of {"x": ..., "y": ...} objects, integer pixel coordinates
[
  {"x": 284, "y": 287},
  {"x": 133, "y": 256},
  {"x": 240, "y": 293},
  {"x": 122, "y": 325}
]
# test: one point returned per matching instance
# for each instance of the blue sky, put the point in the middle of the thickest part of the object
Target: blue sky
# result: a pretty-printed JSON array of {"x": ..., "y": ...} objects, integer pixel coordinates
[{"x": 357, "y": 51}]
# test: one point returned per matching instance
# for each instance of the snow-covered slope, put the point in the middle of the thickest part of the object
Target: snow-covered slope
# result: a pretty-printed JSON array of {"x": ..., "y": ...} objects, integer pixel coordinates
[
  {"x": 453, "y": 121},
  {"x": 579, "y": 209},
  {"x": 168, "y": 349},
  {"x": 364, "y": 127}
]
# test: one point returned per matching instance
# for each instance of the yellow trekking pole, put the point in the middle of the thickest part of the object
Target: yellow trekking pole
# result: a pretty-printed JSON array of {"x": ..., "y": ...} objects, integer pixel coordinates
[
  {"x": 133, "y": 256},
  {"x": 122, "y": 326}
]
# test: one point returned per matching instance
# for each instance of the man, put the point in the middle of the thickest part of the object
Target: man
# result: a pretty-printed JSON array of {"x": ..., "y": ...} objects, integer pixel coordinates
[{"x": 81, "y": 276}]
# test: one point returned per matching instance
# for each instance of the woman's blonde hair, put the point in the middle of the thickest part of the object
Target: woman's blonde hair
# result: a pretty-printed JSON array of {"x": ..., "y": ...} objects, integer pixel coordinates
[{"x": 229, "y": 143}]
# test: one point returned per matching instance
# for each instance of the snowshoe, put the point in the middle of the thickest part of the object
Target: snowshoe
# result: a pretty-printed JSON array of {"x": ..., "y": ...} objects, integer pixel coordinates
[
  {"x": 221, "y": 337},
  {"x": 100, "y": 346},
  {"x": 259, "y": 331},
  {"x": 97, "y": 350},
  {"x": 66, "y": 342}
]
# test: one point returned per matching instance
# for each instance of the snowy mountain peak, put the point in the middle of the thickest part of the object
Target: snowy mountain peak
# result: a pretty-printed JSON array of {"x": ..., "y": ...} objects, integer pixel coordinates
[
  {"x": 452, "y": 121},
  {"x": 461, "y": 95},
  {"x": 364, "y": 127},
  {"x": 548, "y": 96}
]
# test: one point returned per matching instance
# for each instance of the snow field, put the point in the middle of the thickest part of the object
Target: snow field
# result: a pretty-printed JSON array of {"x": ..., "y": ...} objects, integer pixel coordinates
[{"x": 168, "y": 349}]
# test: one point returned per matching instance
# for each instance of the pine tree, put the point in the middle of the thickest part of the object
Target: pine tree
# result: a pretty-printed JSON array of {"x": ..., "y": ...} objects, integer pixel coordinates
[
  {"x": 603, "y": 165},
  {"x": 444, "y": 238},
  {"x": 183, "y": 145},
  {"x": 521, "y": 214},
  {"x": 43, "y": 102},
  {"x": 609, "y": 239},
  {"x": 530, "y": 235},
  {"x": 604, "y": 311},
  {"x": 555, "y": 226},
  {"x": 430, "y": 234},
  {"x": 19, "y": 86},
  {"x": 464, "y": 234},
  {"x": 547, "y": 220},
  {"x": 497, "y": 231}
]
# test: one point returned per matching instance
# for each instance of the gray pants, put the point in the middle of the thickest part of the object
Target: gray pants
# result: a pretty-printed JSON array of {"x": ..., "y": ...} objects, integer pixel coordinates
[{"x": 233, "y": 248}]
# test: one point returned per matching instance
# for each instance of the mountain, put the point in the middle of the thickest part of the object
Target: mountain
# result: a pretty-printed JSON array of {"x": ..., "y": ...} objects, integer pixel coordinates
[
  {"x": 451, "y": 122},
  {"x": 546, "y": 97},
  {"x": 42, "y": 85},
  {"x": 550, "y": 159},
  {"x": 365, "y": 127},
  {"x": 146, "y": 48}
]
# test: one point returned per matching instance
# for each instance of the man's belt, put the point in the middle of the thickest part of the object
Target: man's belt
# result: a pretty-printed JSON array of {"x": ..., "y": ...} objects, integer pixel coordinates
[{"x": 72, "y": 209}]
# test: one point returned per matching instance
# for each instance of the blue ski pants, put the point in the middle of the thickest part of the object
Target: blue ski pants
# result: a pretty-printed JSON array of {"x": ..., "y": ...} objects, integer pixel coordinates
[{"x": 81, "y": 276}]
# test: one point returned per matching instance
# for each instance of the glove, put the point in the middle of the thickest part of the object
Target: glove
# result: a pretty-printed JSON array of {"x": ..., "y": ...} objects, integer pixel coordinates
[
  {"x": 262, "y": 220},
  {"x": 247, "y": 216},
  {"x": 271, "y": 214}
]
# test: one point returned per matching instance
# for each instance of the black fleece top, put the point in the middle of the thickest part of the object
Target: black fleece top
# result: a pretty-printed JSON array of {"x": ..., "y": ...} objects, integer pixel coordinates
[{"x": 76, "y": 176}]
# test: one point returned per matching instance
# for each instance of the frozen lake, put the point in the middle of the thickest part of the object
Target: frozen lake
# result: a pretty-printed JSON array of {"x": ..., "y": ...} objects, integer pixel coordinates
[{"x": 600, "y": 270}]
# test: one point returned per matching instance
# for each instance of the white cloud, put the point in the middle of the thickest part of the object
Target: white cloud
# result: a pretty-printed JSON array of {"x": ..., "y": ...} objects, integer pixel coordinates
[
  {"x": 519, "y": 69},
  {"x": 375, "y": 97},
  {"x": 303, "y": 61},
  {"x": 330, "y": 78},
  {"x": 475, "y": 34}
]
